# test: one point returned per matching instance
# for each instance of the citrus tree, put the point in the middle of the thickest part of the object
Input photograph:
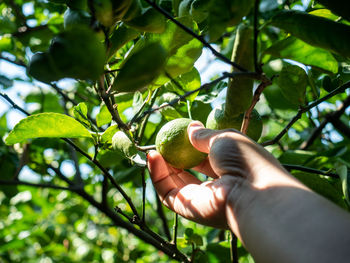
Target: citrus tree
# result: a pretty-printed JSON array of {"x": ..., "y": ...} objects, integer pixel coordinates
[{"x": 87, "y": 84}]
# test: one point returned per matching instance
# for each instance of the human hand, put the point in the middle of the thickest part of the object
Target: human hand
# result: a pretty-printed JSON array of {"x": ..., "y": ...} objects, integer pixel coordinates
[{"x": 237, "y": 166}]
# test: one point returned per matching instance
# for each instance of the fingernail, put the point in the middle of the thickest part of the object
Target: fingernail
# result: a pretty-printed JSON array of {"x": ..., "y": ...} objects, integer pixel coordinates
[{"x": 195, "y": 124}]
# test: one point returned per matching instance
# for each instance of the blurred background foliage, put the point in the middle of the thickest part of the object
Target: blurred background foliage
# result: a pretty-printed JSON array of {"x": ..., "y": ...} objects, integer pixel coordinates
[{"x": 41, "y": 224}]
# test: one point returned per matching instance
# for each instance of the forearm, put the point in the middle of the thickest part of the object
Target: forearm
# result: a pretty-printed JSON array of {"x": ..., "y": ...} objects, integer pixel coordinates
[{"x": 288, "y": 223}]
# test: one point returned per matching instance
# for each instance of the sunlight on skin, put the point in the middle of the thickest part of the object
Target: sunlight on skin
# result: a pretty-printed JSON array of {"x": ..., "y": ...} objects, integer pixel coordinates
[
  {"x": 204, "y": 202},
  {"x": 276, "y": 217}
]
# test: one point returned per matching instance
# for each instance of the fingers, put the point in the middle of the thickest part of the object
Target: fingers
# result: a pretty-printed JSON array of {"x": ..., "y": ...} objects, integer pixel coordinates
[
  {"x": 165, "y": 178},
  {"x": 200, "y": 137},
  {"x": 205, "y": 168}
]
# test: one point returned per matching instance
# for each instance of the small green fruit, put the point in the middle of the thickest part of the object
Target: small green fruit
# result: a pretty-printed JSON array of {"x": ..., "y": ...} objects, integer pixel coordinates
[
  {"x": 217, "y": 120},
  {"x": 173, "y": 144}
]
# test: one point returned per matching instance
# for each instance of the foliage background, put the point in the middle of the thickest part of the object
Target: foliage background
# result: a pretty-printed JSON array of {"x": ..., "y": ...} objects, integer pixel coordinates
[{"x": 39, "y": 223}]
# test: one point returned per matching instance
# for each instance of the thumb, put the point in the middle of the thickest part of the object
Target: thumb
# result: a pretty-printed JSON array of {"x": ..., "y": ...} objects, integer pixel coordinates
[{"x": 200, "y": 137}]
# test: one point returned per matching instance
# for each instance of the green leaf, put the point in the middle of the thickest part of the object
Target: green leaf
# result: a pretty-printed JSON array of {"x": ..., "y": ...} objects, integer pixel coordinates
[
  {"x": 315, "y": 30},
  {"x": 149, "y": 21},
  {"x": 74, "y": 53},
  {"x": 188, "y": 233},
  {"x": 200, "y": 110},
  {"x": 107, "y": 136},
  {"x": 185, "y": 83},
  {"x": 141, "y": 69},
  {"x": 185, "y": 57},
  {"x": 3, "y": 124},
  {"x": 120, "y": 37},
  {"x": 80, "y": 113},
  {"x": 298, "y": 50},
  {"x": 6, "y": 25},
  {"x": 293, "y": 82},
  {"x": 324, "y": 13},
  {"x": 297, "y": 157},
  {"x": 321, "y": 186},
  {"x": 224, "y": 13},
  {"x": 218, "y": 252},
  {"x": 197, "y": 239},
  {"x": 50, "y": 125},
  {"x": 169, "y": 112},
  {"x": 344, "y": 174},
  {"x": 5, "y": 44},
  {"x": 183, "y": 49},
  {"x": 104, "y": 116},
  {"x": 340, "y": 7}
]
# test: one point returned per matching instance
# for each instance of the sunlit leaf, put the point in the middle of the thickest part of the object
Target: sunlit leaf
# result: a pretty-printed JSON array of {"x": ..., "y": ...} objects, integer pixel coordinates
[
  {"x": 104, "y": 116},
  {"x": 296, "y": 49},
  {"x": 46, "y": 125}
]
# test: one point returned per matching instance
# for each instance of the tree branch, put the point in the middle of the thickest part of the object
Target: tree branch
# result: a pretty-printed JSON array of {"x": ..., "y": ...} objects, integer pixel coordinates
[
  {"x": 290, "y": 167},
  {"x": 26, "y": 29},
  {"x": 305, "y": 109},
  {"x": 330, "y": 117},
  {"x": 4, "y": 182},
  {"x": 341, "y": 127},
  {"x": 13, "y": 104},
  {"x": 114, "y": 112},
  {"x": 233, "y": 248},
  {"x": 245, "y": 124},
  {"x": 198, "y": 37},
  {"x": 16, "y": 62},
  {"x": 162, "y": 216},
  {"x": 94, "y": 161},
  {"x": 203, "y": 87}
]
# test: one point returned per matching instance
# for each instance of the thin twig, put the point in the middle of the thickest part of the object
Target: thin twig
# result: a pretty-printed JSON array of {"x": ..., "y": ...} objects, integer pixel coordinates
[
  {"x": 145, "y": 148},
  {"x": 111, "y": 108},
  {"x": 147, "y": 235},
  {"x": 175, "y": 227},
  {"x": 143, "y": 181},
  {"x": 16, "y": 62},
  {"x": 203, "y": 87},
  {"x": 233, "y": 248},
  {"x": 78, "y": 149},
  {"x": 302, "y": 110},
  {"x": 341, "y": 127},
  {"x": 290, "y": 167},
  {"x": 105, "y": 173},
  {"x": 143, "y": 125},
  {"x": 314, "y": 135},
  {"x": 13, "y": 104},
  {"x": 330, "y": 118},
  {"x": 4, "y": 182},
  {"x": 138, "y": 112},
  {"x": 160, "y": 212},
  {"x": 26, "y": 30},
  {"x": 198, "y": 37},
  {"x": 256, "y": 98},
  {"x": 60, "y": 174}
]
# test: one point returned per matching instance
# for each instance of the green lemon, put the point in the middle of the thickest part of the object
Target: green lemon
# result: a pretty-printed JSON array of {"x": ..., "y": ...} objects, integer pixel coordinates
[
  {"x": 217, "y": 120},
  {"x": 173, "y": 144}
]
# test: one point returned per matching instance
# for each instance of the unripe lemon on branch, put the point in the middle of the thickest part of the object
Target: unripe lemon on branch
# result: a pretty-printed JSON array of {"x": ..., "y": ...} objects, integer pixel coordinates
[
  {"x": 218, "y": 120},
  {"x": 173, "y": 144}
]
